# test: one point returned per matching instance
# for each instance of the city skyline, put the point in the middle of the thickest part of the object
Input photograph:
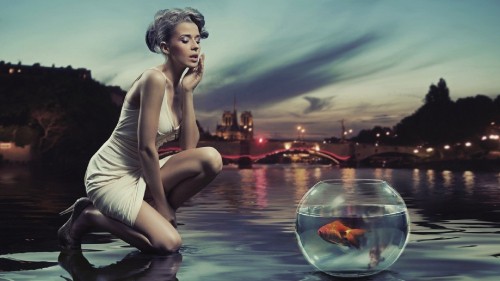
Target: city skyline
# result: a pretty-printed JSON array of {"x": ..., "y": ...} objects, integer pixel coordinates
[{"x": 294, "y": 63}]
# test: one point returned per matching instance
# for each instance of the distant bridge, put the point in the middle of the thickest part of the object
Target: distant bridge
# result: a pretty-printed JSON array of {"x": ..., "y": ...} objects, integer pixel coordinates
[
  {"x": 338, "y": 152},
  {"x": 307, "y": 150}
]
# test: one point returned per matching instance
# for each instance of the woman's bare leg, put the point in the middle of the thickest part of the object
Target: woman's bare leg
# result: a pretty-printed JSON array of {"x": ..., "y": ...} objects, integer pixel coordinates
[
  {"x": 184, "y": 175},
  {"x": 151, "y": 232},
  {"x": 188, "y": 172}
]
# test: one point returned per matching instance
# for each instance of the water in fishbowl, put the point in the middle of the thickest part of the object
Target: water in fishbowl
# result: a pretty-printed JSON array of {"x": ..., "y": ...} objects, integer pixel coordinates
[{"x": 357, "y": 240}]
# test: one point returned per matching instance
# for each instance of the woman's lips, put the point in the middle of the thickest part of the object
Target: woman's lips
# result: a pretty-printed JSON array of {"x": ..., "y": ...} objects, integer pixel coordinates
[{"x": 193, "y": 58}]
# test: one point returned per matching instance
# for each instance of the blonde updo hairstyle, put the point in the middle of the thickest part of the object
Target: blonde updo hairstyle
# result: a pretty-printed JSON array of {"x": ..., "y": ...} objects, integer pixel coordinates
[{"x": 165, "y": 21}]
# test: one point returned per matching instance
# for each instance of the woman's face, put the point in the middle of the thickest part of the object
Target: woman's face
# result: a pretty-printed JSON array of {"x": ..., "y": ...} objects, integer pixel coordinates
[{"x": 184, "y": 45}]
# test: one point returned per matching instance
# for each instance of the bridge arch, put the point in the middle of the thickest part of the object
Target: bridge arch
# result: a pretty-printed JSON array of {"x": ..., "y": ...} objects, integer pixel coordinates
[{"x": 321, "y": 153}]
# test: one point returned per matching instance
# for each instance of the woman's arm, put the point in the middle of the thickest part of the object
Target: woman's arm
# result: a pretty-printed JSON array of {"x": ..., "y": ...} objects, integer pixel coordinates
[
  {"x": 151, "y": 98},
  {"x": 190, "y": 134}
]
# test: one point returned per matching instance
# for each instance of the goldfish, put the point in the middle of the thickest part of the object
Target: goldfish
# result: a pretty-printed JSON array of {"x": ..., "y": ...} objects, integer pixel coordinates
[{"x": 336, "y": 232}]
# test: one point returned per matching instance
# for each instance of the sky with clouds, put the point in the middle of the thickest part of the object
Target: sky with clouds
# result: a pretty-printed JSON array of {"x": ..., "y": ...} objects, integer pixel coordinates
[{"x": 291, "y": 62}]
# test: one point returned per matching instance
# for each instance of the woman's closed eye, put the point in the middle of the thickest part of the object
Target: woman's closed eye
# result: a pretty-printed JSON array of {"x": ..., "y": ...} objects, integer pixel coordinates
[{"x": 185, "y": 40}]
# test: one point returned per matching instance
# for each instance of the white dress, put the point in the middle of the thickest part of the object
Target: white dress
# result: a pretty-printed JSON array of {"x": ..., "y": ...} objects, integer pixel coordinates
[{"x": 114, "y": 180}]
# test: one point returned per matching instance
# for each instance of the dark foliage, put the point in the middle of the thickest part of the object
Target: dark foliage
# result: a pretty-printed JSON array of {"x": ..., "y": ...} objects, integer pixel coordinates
[
  {"x": 65, "y": 117},
  {"x": 440, "y": 120}
]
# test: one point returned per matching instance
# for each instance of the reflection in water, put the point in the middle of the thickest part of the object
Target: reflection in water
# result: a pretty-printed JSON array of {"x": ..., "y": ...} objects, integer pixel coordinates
[
  {"x": 300, "y": 178},
  {"x": 388, "y": 174},
  {"x": 348, "y": 174},
  {"x": 135, "y": 266},
  {"x": 247, "y": 187},
  {"x": 431, "y": 178},
  {"x": 447, "y": 178},
  {"x": 415, "y": 179},
  {"x": 378, "y": 173},
  {"x": 317, "y": 173},
  {"x": 454, "y": 230},
  {"x": 468, "y": 180},
  {"x": 261, "y": 187}
]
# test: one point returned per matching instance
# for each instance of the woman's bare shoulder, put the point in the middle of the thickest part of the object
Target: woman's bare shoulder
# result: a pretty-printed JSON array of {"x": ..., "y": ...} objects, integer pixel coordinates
[
  {"x": 152, "y": 78},
  {"x": 151, "y": 82}
]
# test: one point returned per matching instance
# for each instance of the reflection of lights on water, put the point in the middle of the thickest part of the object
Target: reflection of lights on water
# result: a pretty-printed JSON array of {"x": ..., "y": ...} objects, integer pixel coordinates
[
  {"x": 300, "y": 177},
  {"x": 317, "y": 173},
  {"x": 261, "y": 186},
  {"x": 416, "y": 178},
  {"x": 431, "y": 178},
  {"x": 388, "y": 174},
  {"x": 447, "y": 178},
  {"x": 348, "y": 174},
  {"x": 468, "y": 179}
]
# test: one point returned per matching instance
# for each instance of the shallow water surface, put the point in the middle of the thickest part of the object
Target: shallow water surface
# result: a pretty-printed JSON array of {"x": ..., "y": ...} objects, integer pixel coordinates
[{"x": 241, "y": 227}]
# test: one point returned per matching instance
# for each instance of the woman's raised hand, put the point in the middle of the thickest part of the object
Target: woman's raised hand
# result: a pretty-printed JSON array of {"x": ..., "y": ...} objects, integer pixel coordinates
[{"x": 193, "y": 77}]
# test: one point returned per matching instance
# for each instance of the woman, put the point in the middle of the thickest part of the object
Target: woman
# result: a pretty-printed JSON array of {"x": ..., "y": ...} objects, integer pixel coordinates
[{"x": 131, "y": 192}]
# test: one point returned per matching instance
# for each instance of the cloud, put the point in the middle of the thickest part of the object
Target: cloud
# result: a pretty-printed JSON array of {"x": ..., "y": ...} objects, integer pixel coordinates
[
  {"x": 283, "y": 81},
  {"x": 317, "y": 104},
  {"x": 384, "y": 118}
]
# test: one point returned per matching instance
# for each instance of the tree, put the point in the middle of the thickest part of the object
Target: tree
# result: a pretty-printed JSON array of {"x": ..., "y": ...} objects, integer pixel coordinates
[
  {"x": 65, "y": 118},
  {"x": 53, "y": 126},
  {"x": 439, "y": 94},
  {"x": 442, "y": 121}
]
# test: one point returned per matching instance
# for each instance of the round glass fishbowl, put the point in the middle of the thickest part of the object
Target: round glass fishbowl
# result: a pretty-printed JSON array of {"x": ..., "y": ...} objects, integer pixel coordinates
[{"x": 352, "y": 228}]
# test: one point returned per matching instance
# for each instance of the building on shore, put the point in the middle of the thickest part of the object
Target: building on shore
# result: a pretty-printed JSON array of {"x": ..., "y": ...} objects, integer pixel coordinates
[
  {"x": 233, "y": 130},
  {"x": 36, "y": 69}
]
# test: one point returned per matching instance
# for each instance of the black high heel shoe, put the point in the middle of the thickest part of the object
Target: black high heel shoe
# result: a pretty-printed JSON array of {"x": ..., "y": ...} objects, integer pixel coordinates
[{"x": 63, "y": 234}]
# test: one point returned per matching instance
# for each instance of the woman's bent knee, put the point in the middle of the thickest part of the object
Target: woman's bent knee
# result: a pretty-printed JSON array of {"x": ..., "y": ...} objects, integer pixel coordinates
[
  {"x": 167, "y": 246},
  {"x": 211, "y": 160}
]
